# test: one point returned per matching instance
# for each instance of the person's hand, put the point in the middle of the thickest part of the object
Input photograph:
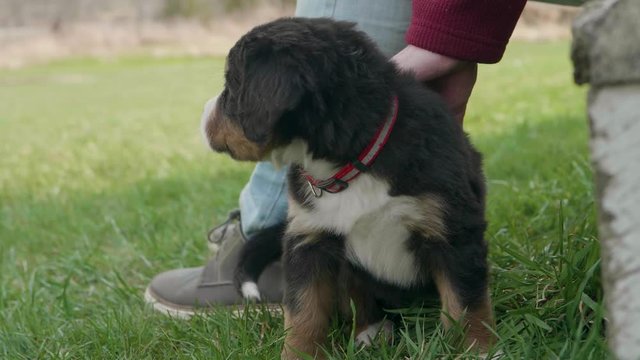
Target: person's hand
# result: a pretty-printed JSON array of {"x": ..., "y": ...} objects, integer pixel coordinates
[{"x": 452, "y": 79}]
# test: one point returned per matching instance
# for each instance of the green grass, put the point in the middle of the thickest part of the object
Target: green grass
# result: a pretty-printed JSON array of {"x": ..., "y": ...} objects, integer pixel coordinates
[{"x": 104, "y": 182}]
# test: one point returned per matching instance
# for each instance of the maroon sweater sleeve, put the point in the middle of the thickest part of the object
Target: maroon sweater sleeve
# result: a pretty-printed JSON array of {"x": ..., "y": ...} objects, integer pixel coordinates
[{"x": 471, "y": 30}]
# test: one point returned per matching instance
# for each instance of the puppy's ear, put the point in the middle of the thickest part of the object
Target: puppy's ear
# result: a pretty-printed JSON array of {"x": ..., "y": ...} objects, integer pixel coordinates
[{"x": 268, "y": 89}]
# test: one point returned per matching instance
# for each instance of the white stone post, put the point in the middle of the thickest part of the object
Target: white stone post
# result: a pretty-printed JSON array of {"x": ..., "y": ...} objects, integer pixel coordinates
[{"x": 606, "y": 54}]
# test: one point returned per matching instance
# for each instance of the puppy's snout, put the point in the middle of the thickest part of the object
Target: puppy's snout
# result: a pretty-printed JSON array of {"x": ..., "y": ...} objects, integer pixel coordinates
[
  {"x": 210, "y": 106},
  {"x": 222, "y": 135},
  {"x": 207, "y": 116}
]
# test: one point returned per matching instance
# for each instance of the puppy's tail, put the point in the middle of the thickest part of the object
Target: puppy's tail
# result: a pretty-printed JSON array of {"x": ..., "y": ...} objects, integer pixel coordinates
[{"x": 257, "y": 253}]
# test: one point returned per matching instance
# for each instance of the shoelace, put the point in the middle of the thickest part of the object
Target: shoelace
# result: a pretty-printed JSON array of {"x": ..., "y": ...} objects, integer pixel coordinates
[{"x": 233, "y": 216}]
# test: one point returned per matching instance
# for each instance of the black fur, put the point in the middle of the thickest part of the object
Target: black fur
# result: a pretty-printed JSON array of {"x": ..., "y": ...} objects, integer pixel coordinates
[
  {"x": 261, "y": 250},
  {"x": 326, "y": 83}
]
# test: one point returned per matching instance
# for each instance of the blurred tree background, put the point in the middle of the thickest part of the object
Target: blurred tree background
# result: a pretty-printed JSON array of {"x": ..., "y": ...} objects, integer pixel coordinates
[
  {"x": 56, "y": 13},
  {"x": 36, "y": 31}
]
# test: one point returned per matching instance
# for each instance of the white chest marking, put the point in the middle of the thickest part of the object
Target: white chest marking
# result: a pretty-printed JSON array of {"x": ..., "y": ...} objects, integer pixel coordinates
[
  {"x": 339, "y": 212},
  {"x": 378, "y": 242},
  {"x": 372, "y": 221}
]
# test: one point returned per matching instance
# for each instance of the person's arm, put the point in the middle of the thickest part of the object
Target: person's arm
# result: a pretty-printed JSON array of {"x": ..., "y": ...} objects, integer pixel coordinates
[
  {"x": 447, "y": 38},
  {"x": 469, "y": 30}
]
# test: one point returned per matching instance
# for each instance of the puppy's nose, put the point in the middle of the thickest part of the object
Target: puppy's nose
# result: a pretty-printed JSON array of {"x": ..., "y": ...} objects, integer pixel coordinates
[{"x": 207, "y": 113}]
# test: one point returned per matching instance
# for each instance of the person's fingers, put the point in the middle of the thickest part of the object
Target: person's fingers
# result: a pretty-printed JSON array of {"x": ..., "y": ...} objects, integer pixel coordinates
[
  {"x": 451, "y": 78},
  {"x": 425, "y": 65},
  {"x": 456, "y": 87}
]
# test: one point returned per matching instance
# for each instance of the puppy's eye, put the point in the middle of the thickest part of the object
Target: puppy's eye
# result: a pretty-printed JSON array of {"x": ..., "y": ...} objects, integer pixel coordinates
[
  {"x": 232, "y": 80},
  {"x": 225, "y": 93},
  {"x": 227, "y": 96},
  {"x": 229, "y": 106},
  {"x": 224, "y": 99},
  {"x": 229, "y": 90}
]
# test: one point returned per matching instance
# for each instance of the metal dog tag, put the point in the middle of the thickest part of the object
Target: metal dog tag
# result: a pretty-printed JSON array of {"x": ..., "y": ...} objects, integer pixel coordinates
[{"x": 317, "y": 192}]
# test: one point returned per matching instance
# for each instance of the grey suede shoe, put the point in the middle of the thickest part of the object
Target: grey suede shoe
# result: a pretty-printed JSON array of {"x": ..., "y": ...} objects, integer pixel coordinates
[{"x": 182, "y": 292}]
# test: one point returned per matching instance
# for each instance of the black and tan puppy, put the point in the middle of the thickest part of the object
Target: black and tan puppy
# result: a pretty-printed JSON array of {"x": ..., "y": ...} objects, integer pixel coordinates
[{"x": 386, "y": 192}]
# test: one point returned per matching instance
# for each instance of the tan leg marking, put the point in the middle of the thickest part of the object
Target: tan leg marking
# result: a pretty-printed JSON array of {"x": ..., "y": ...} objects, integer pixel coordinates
[
  {"x": 427, "y": 217},
  {"x": 307, "y": 327},
  {"x": 476, "y": 333}
]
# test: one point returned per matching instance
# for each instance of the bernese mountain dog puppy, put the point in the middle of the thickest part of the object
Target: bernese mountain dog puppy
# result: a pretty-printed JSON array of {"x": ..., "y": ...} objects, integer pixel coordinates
[{"x": 386, "y": 193}]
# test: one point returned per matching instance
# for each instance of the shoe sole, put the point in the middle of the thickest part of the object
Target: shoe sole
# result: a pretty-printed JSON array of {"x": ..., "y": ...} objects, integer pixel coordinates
[
  {"x": 187, "y": 313},
  {"x": 171, "y": 311}
]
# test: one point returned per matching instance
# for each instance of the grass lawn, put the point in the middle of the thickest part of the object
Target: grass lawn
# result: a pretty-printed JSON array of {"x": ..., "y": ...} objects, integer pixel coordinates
[{"x": 104, "y": 182}]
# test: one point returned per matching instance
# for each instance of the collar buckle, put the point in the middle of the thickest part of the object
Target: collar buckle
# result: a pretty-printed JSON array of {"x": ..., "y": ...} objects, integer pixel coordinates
[
  {"x": 316, "y": 191},
  {"x": 340, "y": 180}
]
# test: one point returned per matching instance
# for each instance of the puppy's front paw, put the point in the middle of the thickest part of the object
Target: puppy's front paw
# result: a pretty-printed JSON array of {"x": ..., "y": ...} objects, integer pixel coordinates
[
  {"x": 495, "y": 356},
  {"x": 366, "y": 336},
  {"x": 289, "y": 354},
  {"x": 250, "y": 291}
]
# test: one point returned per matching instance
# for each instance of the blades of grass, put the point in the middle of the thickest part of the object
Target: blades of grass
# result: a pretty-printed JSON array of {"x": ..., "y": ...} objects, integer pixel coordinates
[
  {"x": 526, "y": 261},
  {"x": 64, "y": 298},
  {"x": 587, "y": 300},
  {"x": 537, "y": 322},
  {"x": 352, "y": 333},
  {"x": 575, "y": 302},
  {"x": 560, "y": 237}
]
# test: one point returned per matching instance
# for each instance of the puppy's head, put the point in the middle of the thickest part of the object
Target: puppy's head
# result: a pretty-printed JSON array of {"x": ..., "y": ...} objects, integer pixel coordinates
[{"x": 276, "y": 73}]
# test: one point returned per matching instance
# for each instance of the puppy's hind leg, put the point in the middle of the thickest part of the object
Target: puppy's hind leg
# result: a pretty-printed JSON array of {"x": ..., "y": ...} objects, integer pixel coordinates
[
  {"x": 369, "y": 316},
  {"x": 462, "y": 284},
  {"x": 311, "y": 268},
  {"x": 257, "y": 253},
  {"x": 474, "y": 315}
]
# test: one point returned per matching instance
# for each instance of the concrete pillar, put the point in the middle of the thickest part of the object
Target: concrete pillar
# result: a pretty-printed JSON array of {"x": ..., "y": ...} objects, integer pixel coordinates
[{"x": 606, "y": 54}]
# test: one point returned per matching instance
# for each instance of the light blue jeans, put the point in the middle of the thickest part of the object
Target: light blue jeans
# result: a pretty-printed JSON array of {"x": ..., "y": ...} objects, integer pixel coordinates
[{"x": 263, "y": 201}]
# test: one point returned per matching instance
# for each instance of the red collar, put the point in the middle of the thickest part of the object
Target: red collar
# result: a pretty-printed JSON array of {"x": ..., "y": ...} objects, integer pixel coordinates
[{"x": 340, "y": 180}]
